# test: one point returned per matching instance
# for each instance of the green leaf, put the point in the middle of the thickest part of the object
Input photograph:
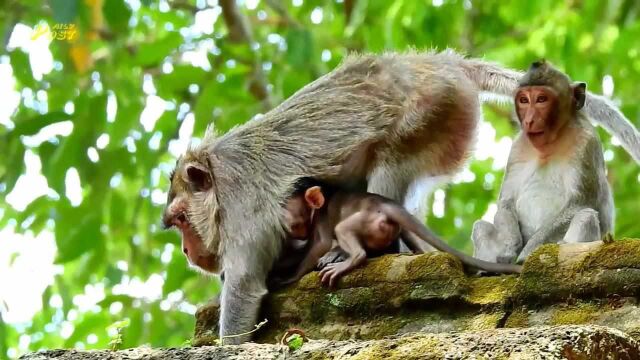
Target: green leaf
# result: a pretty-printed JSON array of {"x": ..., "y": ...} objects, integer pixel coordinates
[
  {"x": 294, "y": 342},
  {"x": 14, "y": 164},
  {"x": 299, "y": 47},
  {"x": 33, "y": 125},
  {"x": 204, "y": 106},
  {"x": 178, "y": 81},
  {"x": 177, "y": 273},
  {"x": 77, "y": 233},
  {"x": 22, "y": 68},
  {"x": 153, "y": 53},
  {"x": 64, "y": 11},
  {"x": 117, "y": 14}
]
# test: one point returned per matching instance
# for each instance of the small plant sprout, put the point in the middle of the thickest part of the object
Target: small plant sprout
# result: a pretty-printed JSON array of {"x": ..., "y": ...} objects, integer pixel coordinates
[{"x": 117, "y": 326}]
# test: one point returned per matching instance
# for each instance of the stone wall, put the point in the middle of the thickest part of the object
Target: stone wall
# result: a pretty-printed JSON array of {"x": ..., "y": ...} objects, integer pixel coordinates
[
  {"x": 591, "y": 283},
  {"x": 575, "y": 301}
]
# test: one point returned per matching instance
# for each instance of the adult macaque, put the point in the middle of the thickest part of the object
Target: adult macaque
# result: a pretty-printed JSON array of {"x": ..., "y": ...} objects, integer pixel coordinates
[
  {"x": 386, "y": 122},
  {"x": 555, "y": 187},
  {"x": 359, "y": 222}
]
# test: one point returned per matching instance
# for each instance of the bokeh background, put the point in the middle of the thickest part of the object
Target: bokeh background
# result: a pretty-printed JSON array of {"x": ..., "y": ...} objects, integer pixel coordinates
[{"x": 99, "y": 97}]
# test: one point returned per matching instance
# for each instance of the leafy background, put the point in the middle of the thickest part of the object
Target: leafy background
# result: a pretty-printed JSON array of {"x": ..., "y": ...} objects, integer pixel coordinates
[{"x": 186, "y": 63}]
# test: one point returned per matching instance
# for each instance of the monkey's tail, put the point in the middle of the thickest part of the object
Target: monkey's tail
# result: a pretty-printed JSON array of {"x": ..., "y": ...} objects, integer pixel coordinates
[
  {"x": 409, "y": 223},
  {"x": 490, "y": 77},
  {"x": 605, "y": 113}
]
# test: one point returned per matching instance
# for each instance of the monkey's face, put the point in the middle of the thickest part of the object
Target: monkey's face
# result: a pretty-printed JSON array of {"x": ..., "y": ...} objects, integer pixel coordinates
[
  {"x": 537, "y": 110},
  {"x": 191, "y": 183},
  {"x": 297, "y": 216}
]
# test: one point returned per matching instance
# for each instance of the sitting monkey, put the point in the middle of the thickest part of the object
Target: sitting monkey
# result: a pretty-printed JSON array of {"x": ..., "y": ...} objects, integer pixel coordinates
[
  {"x": 555, "y": 188},
  {"x": 360, "y": 222}
]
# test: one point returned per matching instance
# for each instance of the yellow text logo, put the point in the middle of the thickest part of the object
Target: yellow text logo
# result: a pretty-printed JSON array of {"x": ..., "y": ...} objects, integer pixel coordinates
[{"x": 66, "y": 32}]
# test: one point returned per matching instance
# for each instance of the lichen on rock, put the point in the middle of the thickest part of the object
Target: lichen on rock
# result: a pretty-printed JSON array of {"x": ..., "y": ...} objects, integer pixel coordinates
[{"x": 398, "y": 294}]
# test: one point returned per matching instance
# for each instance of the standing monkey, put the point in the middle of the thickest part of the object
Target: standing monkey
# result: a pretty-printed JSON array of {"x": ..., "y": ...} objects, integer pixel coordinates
[
  {"x": 386, "y": 121},
  {"x": 555, "y": 187}
]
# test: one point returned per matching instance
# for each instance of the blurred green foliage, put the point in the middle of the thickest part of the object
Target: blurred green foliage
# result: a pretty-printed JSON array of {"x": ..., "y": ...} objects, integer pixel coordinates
[{"x": 121, "y": 47}]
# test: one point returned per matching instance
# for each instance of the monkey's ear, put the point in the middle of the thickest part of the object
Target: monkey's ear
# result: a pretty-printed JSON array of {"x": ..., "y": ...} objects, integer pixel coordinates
[
  {"x": 314, "y": 197},
  {"x": 579, "y": 94},
  {"x": 539, "y": 63},
  {"x": 198, "y": 177}
]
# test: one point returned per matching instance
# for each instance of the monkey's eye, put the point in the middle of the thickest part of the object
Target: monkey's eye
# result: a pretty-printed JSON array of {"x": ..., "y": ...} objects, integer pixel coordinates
[
  {"x": 541, "y": 99},
  {"x": 523, "y": 100}
]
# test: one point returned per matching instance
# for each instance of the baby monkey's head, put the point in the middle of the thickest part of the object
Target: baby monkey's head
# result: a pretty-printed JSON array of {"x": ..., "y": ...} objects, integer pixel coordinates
[{"x": 300, "y": 209}]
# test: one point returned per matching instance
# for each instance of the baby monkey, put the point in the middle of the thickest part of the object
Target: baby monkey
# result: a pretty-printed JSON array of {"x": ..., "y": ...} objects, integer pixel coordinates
[{"x": 360, "y": 222}]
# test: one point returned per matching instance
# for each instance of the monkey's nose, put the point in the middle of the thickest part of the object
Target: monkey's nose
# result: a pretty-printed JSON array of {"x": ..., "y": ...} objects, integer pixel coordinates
[
  {"x": 182, "y": 218},
  {"x": 185, "y": 251}
]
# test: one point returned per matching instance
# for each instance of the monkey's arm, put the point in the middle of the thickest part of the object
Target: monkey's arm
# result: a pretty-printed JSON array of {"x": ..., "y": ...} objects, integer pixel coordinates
[
  {"x": 243, "y": 289},
  {"x": 548, "y": 232},
  {"x": 349, "y": 242},
  {"x": 321, "y": 244},
  {"x": 502, "y": 240},
  {"x": 509, "y": 235}
]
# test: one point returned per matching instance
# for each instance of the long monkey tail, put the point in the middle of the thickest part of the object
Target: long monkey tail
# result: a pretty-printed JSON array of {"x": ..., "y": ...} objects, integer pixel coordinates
[
  {"x": 409, "y": 223},
  {"x": 492, "y": 78},
  {"x": 601, "y": 111}
]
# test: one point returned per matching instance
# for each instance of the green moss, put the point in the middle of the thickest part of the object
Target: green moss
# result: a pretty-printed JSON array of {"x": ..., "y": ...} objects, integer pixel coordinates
[
  {"x": 517, "y": 319},
  {"x": 634, "y": 333},
  {"x": 540, "y": 276},
  {"x": 581, "y": 313},
  {"x": 434, "y": 265},
  {"x": 204, "y": 340},
  {"x": 410, "y": 347},
  {"x": 491, "y": 290},
  {"x": 624, "y": 253},
  {"x": 485, "y": 321},
  {"x": 354, "y": 300}
]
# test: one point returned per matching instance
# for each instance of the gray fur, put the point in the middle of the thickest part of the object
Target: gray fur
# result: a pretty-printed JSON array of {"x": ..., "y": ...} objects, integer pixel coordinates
[
  {"x": 580, "y": 211},
  {"x": 384, "y": 121},
  {"x": 603, "y": 112},
  {"x": 506, "y": 239}
]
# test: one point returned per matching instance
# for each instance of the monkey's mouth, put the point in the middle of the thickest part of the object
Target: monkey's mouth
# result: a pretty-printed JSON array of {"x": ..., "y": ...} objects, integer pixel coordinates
[{"x": 535, "y": 133}]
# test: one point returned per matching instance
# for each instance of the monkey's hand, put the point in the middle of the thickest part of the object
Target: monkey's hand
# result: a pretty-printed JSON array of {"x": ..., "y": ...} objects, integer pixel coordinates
[
  {"x": 335, "y": 255},
  {"x": 528, "y": 249},
  {"x": 331, "y": 273}
]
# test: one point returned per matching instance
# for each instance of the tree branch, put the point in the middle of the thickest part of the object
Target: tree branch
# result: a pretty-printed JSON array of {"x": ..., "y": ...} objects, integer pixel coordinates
[
  {"x": 348, "y": 10},
  {"x": 280, "y": 9},
  {"x": 240, "y": 32}
]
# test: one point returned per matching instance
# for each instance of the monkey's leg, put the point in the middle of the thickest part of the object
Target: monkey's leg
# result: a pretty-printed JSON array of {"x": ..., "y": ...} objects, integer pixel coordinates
[
  {"x": 385, "y": 181},
  {"x": 485, "y": 241},
  {"x": 508, "y": 231},
  {"x": 551, "y": 233},
  {"x": 501, "y": 241},
  {"x": 584, "y": 227},
  {"x": 242, "y": 293},
  {"x": 416, "y": 203}
]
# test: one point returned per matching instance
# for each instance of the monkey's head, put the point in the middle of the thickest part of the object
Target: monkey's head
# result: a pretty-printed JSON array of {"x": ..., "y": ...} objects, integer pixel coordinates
[
  {"x": 546, "y": 101},
  {"x": 299, "y": 211},
  {"x": 192, "y": 209}
]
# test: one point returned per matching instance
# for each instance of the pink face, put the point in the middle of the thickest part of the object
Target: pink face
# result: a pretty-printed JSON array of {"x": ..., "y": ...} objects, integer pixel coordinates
[
  {"x": 298, "y": 218},
  {"x": 537, "y": 109},
  {"x": 192, "y": 245}
]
